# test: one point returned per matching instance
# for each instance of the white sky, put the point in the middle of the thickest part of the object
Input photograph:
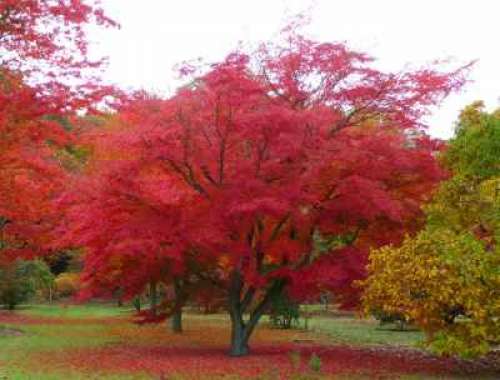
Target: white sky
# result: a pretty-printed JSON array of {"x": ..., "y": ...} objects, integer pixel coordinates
[{"x": 157, "y": 34}]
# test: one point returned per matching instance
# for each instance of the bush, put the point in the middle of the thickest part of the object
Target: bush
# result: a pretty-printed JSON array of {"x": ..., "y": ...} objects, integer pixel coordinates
[
  {"x": 315, "y": 363},
  {"x": 67, "y": 284},
  {"x": 284, "y": 312},
  {"x": 390, "y": 318},
  {"x": 443, "y": 282},
  {"x": 20, "y": 280}
]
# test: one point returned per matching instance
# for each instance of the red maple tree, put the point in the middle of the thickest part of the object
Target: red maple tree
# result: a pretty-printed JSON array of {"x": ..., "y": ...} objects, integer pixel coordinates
[
  {"x": 46, "y": 40},
  {"x": 280, "y": 169},
  {"x": 29, "y": 173},
  {"x": 43, "y": 49},
  {"x": 139, "y": 239}
]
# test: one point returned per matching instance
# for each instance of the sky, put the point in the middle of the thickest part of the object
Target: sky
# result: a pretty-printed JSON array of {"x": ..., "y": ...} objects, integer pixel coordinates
[{"x": 155, "y": 35}]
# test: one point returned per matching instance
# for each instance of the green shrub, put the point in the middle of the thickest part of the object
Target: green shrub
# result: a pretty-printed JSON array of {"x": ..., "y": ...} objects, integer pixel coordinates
[
  {"x": 284, "y": 312},
  {"x": 20, "y": 280},
  {"x": 67, "y": 284},
  {"x": 315, "y": 363}
]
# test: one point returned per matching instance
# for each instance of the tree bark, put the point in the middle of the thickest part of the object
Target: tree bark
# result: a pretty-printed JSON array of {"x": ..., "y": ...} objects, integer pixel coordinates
[
  {"x": 176, "y": 320},
  {"x": 153, "y": 297},
  {"x": 239, "y": 339},
  {"x": 137, "y": 303},
  {"x": 241, "y": 331},
  {"x": 119, "y": 297}
]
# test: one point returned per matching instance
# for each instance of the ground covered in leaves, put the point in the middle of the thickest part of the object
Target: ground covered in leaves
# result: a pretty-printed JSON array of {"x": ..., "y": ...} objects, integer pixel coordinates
[{"x": 100, "y": 342}]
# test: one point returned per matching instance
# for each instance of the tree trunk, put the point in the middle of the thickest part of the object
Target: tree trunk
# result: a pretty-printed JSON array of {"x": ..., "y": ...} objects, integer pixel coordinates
[
  {"x": 239, "y": 339},
  {"x": 153, "y": 297},
  {"x": 137, "y": 303},
  {"x": 241, "y": 331},
  {"x": 176, "y": 321},
  {"x": 306, "y": 318},
  {"x": 119, "y": 295},
  {"x": 180, "y": 298},
  {"x": 239, "y": 345}
]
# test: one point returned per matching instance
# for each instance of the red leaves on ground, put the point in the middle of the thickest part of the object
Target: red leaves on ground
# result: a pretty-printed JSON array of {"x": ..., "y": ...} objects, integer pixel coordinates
[
  {"x": 199, "y": 363},
  {"x": 201, "y": 352}
]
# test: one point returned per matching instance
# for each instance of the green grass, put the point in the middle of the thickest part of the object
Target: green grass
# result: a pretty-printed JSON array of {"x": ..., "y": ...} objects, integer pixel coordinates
[
  {"x": 349, "y": 330},
  {"x": 18, "y": 374},
  {"x": 54, "y": 338},
  {"x": 356, "y": 331},
  {"x": 91, "y": 310}
]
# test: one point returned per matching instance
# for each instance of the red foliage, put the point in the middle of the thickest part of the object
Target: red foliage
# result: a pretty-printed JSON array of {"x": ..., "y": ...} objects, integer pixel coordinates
[
  {"x": 139, "y": 232},
  {"x": 30, "y": 176},
  {"x": 47, "y": 41},
  {"x": 42, "y": 79}
]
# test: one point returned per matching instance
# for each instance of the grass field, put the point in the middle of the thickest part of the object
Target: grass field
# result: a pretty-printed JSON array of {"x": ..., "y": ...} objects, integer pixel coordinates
[{"x": 100, "y": 342}]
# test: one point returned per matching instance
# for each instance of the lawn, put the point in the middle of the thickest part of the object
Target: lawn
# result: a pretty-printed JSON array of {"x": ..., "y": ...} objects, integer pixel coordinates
[
  {"x": 100, "y": 342},
  {"x": 355, "y": 331}
]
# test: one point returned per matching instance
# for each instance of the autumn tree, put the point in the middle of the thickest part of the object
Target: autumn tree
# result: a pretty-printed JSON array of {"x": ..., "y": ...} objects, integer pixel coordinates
[
  {"x": 258, "y": 158},
  {"x": 43, "y": 80},
  {"x": 133, "y": 244},
  {"x": 46, "y": 41},
  {"x": 21, "y": 280},
  {"x": 29, "y": 172},
  {"x": 446, "y": 279}
]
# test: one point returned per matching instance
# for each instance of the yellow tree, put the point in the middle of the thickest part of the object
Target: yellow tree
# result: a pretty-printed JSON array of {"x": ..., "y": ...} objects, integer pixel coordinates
[{"x": 446, "y": 279}]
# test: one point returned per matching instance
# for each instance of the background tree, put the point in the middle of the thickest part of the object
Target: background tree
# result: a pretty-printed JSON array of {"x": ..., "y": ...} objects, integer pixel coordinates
[
  {"x": 46, "y": 41},
  {"x": 30, "y": 174},
  {"x": 446, "y": 279},
  {"x": 44, "y": 58},
  {"x": 20, "y": 280},
  {"x": 136, "y": 248},
  {"x": 67, "y": 284}
]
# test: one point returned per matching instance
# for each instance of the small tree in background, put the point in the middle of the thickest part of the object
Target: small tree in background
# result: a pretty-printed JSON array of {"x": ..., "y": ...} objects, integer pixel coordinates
[
  {"x": 447, "y": 278},
  {"x": 284, "y": 312},
  {"x": 46, "y": 75},
  {"x": 67, "y": 284},
  {"x": 20, "y": 281}
]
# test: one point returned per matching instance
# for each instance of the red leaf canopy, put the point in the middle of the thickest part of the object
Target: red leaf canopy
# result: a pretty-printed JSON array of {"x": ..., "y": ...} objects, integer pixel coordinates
[{"x": 255, "y": 163}]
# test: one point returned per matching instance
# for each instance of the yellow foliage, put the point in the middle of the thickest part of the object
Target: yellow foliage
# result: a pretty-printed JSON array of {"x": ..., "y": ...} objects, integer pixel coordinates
[
  {"x": 67, "y": 284},
  {"x": 446, "y": 283},
  {"x": 447, "y": 278}
]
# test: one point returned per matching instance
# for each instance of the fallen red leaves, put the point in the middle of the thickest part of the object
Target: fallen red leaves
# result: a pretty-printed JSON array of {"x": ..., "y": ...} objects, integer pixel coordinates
[
  {"x": 197, "y": 362},
  {"x": 202, "y": 352}
]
